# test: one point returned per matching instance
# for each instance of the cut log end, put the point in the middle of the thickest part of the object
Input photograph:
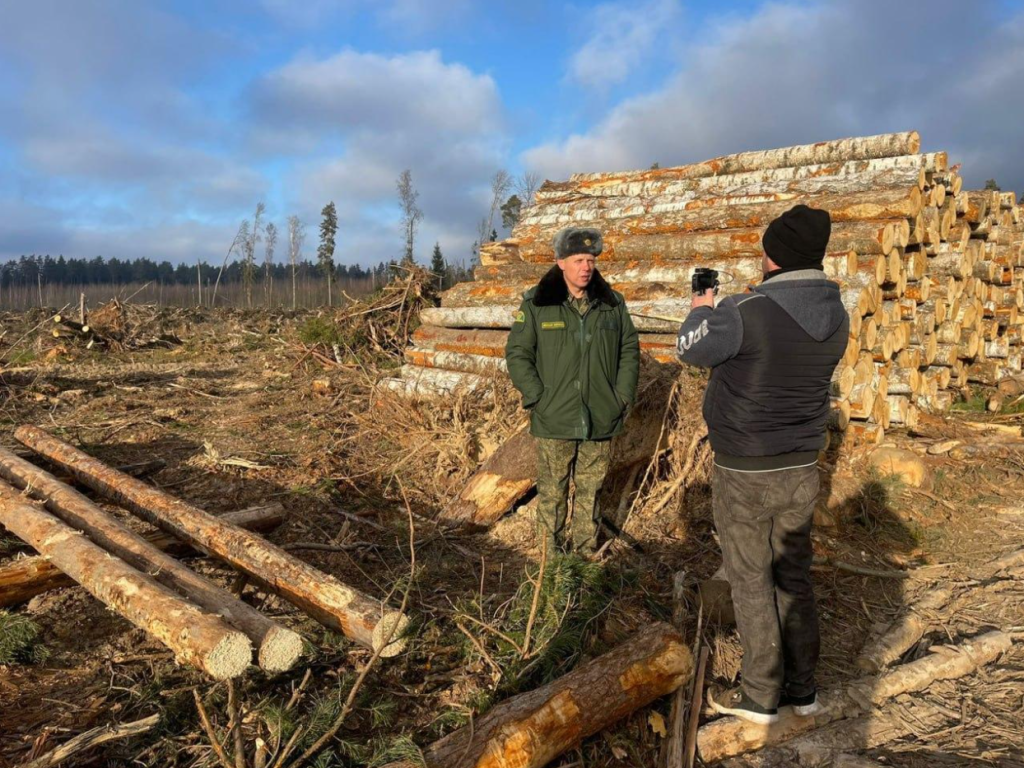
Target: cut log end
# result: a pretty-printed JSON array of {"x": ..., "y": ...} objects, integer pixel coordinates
[
  {"x": 229, "y": 658},
  {"x": 280, "y": 650},
  {"x": 391, "y": 621}
]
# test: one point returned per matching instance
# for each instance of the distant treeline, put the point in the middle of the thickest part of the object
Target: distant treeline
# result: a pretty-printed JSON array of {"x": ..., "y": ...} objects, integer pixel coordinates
[{"x": 100, "y": 271}]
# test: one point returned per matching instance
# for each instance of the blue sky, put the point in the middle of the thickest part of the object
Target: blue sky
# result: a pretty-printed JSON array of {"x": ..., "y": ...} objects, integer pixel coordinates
[{"x": 153, "y": 128}]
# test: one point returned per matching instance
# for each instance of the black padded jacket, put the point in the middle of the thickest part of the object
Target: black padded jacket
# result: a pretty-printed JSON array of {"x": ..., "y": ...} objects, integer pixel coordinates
[{"x": 772, "y": 352}]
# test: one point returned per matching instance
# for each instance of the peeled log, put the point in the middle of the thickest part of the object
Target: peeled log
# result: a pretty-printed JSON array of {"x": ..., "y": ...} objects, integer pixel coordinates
[
  {"x": 533, "y": 728},
  {"x": 278, "y": 648},
  {"x": 456, "y": 361},
  {"x": 323, "y": 597},
  {"x": 195, "y": 637},
  {"x": 904, "y": 632},
  {"x": 26, "y": 577},
  {"x": 729, "y": 736}
]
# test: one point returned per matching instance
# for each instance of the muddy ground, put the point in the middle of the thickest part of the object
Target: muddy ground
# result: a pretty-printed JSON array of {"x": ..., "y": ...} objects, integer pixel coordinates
[{"x": 242, "y": 414}]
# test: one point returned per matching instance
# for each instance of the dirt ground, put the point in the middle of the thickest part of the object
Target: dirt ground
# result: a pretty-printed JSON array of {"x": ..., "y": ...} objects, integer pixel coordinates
[{"x": 242, "y": 414}]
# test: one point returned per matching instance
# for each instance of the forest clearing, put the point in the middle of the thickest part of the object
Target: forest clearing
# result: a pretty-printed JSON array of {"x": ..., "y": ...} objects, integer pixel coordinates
[{"x": 305, "y": 537}]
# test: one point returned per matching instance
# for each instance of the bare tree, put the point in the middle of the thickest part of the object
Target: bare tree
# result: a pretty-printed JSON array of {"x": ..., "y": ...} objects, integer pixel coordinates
[
  {"x": 270, "y": 240},
  {"x": 526, "y": 187},
  {"x": 411, "y": 213},
  {"x": 238, "y": 244},
  {"x": 296, "y": 236},
  {"x": 500, "y": 185},
  {"x": 483, "y": 235},
  {"x": 249, "y": 253}
]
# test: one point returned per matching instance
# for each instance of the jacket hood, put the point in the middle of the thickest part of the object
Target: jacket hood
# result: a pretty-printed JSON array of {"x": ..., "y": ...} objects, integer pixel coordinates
[{"x": 808, "y": 297}]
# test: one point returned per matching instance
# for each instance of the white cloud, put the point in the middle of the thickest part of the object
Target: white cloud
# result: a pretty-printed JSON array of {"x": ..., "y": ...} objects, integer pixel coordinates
[
  {"x": 353, "y": 90},
  {"x": 793, "y": 73},
  {"x": 361, "y": 119},
  {"x": 620, "y": 36}
]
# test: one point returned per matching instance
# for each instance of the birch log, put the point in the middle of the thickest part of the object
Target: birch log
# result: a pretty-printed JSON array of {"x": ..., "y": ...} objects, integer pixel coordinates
[{"x": 840, "y": 150}]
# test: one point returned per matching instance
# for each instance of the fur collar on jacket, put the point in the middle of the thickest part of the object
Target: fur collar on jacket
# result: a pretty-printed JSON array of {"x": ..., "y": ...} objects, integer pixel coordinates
[{"x": 552, "y": 290}]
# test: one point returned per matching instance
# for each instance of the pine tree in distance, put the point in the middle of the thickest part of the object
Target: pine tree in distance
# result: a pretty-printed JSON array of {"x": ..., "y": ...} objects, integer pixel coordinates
[
  {"x": 325, "y": 253},
  {"x": 437, "y": 265}
]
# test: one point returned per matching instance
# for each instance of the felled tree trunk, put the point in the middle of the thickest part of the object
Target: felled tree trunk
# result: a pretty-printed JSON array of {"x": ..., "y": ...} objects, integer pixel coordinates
[
  {"x": 278, "y": 648},
  {"x": 879, "y": 172},
  {"x": 730, "y": 736},
  {"x": 26, "y": 577},
  {"x": 329, "y": 601},
  {"x": 508, "y": 475},
  {"x": 533, "y": 728},
  {"x": 904, "y": 632},
  {"x": 195, "y": 637}
]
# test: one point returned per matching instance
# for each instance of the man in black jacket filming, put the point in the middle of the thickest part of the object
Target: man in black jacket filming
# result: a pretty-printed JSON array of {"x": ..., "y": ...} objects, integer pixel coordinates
[{"x": 773, "y": 351}]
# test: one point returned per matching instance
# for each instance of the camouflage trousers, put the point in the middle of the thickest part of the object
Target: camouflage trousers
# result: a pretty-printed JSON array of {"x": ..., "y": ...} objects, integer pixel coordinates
[{"x": 586, "y": 462}]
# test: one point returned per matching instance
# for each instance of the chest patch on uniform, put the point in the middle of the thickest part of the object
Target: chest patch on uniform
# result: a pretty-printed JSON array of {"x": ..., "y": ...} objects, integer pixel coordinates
[{"x": 552, "y": 325}]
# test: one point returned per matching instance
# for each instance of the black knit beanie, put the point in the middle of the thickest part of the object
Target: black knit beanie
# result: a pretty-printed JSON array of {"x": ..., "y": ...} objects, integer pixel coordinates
[{"x": 798, "y": 238}]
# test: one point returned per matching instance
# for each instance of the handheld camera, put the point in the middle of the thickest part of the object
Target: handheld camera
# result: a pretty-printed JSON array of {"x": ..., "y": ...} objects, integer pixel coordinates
[{"x": 703, "y": 279}]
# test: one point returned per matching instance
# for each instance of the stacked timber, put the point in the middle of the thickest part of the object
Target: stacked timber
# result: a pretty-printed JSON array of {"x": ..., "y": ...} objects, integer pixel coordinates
[{"x": 931, "y": 274}]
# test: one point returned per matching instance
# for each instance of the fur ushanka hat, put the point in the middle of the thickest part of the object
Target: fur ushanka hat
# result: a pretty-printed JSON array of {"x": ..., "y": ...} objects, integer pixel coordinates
[{"x": 573, "y": 240}]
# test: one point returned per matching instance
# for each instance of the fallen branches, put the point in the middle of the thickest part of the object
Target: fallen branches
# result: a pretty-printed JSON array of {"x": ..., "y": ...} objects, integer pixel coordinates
[{"x": 93, "y": 738}]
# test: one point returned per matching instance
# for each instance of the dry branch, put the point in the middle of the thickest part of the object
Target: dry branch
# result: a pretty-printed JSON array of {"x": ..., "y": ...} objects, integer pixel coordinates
[{"x": 92, "y": 738}]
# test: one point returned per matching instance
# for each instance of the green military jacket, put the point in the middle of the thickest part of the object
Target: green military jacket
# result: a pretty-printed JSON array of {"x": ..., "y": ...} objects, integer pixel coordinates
[{"x": 577, "y": 373}]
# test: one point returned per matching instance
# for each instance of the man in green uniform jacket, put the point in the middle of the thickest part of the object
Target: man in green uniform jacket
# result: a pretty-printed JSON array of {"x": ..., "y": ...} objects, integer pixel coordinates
[{"x": 574, "y": 355}]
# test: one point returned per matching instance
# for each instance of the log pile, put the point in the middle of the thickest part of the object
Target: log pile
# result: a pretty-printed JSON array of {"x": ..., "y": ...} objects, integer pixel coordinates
[
  {"x": 205, "y": 625},
  {"x": 932, "y": 274}
]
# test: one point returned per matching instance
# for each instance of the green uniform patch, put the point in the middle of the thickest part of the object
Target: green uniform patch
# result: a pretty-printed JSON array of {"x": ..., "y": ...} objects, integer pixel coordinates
[
  {"x": 552, "y": 325},
  {"x": 520, "y": 316}
]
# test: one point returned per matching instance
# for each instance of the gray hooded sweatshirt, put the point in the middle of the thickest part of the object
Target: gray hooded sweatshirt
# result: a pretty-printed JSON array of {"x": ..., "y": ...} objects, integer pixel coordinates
[{"x": 772, "y": 352}]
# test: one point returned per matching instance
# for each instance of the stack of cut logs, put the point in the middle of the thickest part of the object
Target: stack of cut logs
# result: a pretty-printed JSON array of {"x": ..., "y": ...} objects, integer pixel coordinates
[
  {"x": 932, "y": 275},
  {"x": 203, "y": 624}
]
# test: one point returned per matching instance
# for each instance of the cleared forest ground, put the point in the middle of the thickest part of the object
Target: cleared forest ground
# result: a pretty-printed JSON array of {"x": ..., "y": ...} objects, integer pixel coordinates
[{"x": 251, "y": 407}]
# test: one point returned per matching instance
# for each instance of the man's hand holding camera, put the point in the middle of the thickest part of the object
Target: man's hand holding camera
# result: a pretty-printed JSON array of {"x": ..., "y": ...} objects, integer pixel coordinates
[{"x": 705, "y": 285}]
